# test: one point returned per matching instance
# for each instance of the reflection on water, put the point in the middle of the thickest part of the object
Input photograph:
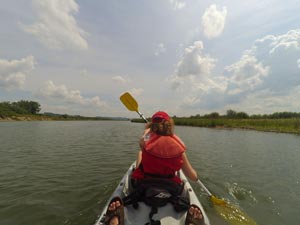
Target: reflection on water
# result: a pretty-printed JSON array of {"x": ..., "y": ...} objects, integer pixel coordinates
[
  {"x": 240, "y": 193},
  {"x": 63, "y": 172}
]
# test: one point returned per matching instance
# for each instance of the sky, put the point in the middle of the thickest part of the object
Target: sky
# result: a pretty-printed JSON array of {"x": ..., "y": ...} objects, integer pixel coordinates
[{"x": 186, "y": 57}]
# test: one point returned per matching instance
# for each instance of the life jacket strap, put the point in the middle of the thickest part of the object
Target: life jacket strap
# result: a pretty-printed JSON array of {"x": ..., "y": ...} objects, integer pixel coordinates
[
  {"x": 153, "y": 175},
  {"x": 151, "y": 214}
]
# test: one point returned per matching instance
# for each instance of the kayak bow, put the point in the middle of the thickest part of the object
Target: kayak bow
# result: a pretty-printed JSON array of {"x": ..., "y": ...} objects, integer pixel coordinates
[{"x": 166, "y": 214}]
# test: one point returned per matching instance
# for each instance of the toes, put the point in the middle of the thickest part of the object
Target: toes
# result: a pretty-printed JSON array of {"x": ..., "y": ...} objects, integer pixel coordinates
[
  {"x": 114, "y": 205},
  {"x": 195, "y": 212},
  {"x": 198, "y": 214},
  {"x": 118, "y": 203},
  {"x": 191, "y": 210}
]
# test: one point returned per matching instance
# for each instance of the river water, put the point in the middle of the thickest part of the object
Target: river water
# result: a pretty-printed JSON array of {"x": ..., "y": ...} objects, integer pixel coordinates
[{"x": 62, "y": 173}]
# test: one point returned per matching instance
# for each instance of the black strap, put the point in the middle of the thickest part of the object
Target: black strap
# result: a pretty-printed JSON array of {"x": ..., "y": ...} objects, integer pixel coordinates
[
  {"x": 153, "y": 222},
  {"x": 153, "y": 175},
  {"x": 132, "y": 199}
]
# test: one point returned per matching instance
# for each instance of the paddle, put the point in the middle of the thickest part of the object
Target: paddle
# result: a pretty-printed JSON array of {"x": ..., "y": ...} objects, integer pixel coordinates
[
  {"x": 229, "y": 212},
  {"x": 131, "y": 104}
]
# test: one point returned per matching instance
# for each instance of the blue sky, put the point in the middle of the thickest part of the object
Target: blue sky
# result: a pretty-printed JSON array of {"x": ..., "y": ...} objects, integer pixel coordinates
[{"x": 185, "y": 57}]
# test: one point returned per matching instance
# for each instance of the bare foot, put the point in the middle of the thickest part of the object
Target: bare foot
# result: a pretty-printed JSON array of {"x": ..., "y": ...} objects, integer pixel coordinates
[
  {"x": 112, "y": 207},
  {"x": 195, "y": 213}
]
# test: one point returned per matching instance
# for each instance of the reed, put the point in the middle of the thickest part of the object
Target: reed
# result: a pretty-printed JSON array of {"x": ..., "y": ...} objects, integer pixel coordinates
[{"x": 291, "y": 125}]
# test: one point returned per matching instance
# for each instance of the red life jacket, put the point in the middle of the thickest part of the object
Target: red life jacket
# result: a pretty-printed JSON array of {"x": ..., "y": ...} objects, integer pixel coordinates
[
  {"x": 161, "y": 157},
  {"x": 164, "y": 146}
]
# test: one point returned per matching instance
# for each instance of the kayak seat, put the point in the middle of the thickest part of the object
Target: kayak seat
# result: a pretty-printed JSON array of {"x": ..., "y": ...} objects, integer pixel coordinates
[
  {"x": 157, "y": 192},
  {"x": 162, "y": 183}
]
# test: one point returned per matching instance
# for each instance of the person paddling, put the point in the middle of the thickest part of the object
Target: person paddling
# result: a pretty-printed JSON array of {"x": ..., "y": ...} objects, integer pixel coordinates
[
  {"x": 161, "y": 155},
  {"x": 162, "y": 152}
]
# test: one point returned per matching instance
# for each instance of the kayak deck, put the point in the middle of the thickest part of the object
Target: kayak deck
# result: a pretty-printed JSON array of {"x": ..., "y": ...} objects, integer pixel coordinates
[{"x": 166, "y": 214}]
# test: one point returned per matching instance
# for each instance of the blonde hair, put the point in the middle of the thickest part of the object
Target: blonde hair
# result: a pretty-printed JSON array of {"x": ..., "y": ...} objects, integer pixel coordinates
[{"x": 164, "y": 128}]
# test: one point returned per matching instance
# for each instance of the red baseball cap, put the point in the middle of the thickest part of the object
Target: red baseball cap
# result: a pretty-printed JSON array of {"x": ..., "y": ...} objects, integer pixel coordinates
[{"x": 160, "y": 116}]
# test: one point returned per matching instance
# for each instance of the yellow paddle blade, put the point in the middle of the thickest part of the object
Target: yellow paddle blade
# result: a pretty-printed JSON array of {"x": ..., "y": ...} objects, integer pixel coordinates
[
  {"x": 233, "y": 214},
  {"x": 229, "y": 212},
  {"x": 129, "y": 102},
  {"x": 217, "y": 201}
]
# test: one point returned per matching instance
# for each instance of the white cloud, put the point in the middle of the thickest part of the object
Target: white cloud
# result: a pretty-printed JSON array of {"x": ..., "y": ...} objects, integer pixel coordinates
[
  {"x": 13, "y": 73},
  {"x": 268, "y": 71},
  {"x": 269, "y": 66},
  {"x": 288, "y": 41},
  {"x": 194, "y": 77},
  {"x": 194, "y": 63},
  {"x": 160, "y": 49},
  {"x": 266, "y": 101},
  {"x": 61, "y": 94},
  {"x": 281, "y": 54},
  {"x": 136, "y": 91},
  {"x": 190, "y": 101},
  {"x": 298, "y": 61},
  {"x": 246, "y": 74},
  {"x": 176, "y": 82},
  {"x": 177, "y": 4},
  {"x": 83, "y": 73},
  {"x": 119, "y": 79},
  {"x": 56, "y": 27},
  {"x": 213, "y": 21}
]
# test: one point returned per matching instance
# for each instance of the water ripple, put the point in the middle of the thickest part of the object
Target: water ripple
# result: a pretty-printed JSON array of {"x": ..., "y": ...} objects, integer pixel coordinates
[{"x": 64, "y": 172}]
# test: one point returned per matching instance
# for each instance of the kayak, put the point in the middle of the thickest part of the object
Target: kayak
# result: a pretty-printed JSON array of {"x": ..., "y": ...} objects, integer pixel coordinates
[{"x": 165, "y": 214}]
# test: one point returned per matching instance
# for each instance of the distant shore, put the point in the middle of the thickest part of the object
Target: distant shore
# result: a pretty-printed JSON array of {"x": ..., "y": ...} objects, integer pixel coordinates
[
  {"x": 41, "y": 117},
  {"x": 25, "y": 118},
  {"x": 291, "y": 125}
]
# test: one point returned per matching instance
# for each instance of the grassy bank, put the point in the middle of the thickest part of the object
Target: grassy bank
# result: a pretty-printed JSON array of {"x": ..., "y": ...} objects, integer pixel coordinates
[
  {"x": 54, "y": 117},
  {"x": 24, "y": 110},
  {"x": 270, "y": 125},
  {"x": 291, "y": 125},
  {"x": 25, "y": 118}
]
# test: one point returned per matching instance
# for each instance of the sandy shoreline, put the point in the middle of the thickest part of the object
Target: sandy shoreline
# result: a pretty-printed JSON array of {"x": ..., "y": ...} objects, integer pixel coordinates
[{"x": 24, "y": 118}]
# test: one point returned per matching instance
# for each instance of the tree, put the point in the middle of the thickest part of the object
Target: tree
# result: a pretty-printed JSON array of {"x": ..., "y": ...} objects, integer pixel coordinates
[
  {"x": 231, "y": 113},
  {"x": 196, "y": 116},
  {"x": 20, "y": 107},
  {"x": 35, "y": 107},
  {"x": 242, "y": 115},
  {"x": 30, "y": 107},
  {"x": 212, "y": 115}
]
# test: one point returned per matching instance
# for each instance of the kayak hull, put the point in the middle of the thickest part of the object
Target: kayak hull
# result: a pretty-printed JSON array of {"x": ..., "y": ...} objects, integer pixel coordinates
[{"x": 166, "y": 214}]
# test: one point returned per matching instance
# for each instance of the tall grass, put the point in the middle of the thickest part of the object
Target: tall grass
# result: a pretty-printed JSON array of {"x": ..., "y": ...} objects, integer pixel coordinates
[{"x": 275, "y": 125}]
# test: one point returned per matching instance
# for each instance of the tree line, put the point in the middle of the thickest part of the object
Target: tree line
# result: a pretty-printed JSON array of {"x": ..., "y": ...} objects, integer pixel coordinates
[
  {"x": 232, "y": 114},
  {"x": 24, "y": 107},
  {"x": 19, "y": 108}
]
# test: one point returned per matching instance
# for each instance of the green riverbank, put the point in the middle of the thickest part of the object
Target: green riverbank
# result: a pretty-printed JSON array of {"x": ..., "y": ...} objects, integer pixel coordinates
[
  {"x": 270, "y": 125},
  {"x": 24, "y": 110},
  {"x": 53, "y": 117},
  {"x": 289, "y": 125}
]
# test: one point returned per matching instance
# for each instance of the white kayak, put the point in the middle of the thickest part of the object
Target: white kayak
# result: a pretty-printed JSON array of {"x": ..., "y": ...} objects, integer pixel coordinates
[{"x": 140, "y": 216}]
